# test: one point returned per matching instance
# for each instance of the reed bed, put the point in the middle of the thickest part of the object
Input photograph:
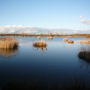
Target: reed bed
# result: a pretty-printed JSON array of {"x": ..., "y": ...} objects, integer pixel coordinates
[
  {"x": 85, "y": 42},
  {"x": 50, "y": 38},
  {"x": 84, "y": 53},
  {"x": 8, "y": 43},
  {"x": 40, "y": 44},
  {"x": 68, "y": 41},
  {"x": 84, "y": 56}
]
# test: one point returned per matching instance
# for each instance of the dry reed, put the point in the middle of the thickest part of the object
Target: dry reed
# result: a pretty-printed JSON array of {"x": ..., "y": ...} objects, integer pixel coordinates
[
  {"x": 40, "y": 44},
  {"x": 68, "y": 41},
  {"x": 8, "y": 43},
  {"x": 85, "y": 42},
  {"x": 50, "y": 38}
]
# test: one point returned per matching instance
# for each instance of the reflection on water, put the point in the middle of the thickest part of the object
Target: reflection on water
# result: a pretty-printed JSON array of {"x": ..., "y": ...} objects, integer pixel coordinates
[
  {"x": 34, "y": 85},
  {"x": 56, "y": 69},
  {"x": 8, "y": 52},
  {"x": 84, "y": 53},
  {"x": 85, "y": 56},
  {"x": 40, "y": 48}
]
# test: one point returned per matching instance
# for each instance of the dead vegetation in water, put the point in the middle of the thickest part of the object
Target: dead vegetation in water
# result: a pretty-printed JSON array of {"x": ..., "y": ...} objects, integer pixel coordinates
[
  {"x": 8, "y": 46},
  {"x": 40, "y": 43},
  {"x": 8, "y": 43},
  {"x": 79, "y": 41},
  {"x": 84, "y": 53},
  {"x": 84, "y": 41},
  {"x": 68, "y": 40},
  {"x": 50, "y": 38}
]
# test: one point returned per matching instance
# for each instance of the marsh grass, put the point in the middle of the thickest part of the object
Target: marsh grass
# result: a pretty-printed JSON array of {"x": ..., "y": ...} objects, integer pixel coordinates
[
  {"x": 40, "y": 44},
  {"x": 84, "y": 53},
  {"x": 47, "y": 35},
  {"x": 8, "y": 43},
  {"x": 68, "y": 40},
  {"x": 85, "y": 42},
  {"x": 50, "y": 38}
]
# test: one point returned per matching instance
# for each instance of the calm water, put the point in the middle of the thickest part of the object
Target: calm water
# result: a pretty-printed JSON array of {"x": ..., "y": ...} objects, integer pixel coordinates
[{"x": 58, "y": 66}]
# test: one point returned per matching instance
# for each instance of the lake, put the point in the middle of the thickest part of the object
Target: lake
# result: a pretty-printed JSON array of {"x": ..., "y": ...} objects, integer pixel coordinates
[{"x": 58, "y": 66}]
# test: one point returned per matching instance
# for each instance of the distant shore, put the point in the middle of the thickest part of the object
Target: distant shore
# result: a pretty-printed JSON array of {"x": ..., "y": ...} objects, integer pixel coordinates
[{"x": 48, "y": 35}]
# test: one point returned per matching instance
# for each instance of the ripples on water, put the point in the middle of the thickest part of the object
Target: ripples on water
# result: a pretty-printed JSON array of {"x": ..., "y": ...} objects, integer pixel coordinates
[{"x": 58, "y": 65}]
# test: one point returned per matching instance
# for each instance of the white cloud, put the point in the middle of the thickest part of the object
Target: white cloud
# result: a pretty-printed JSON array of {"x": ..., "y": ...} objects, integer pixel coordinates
[
  {"x": 13, "y": 29},
  {"x": 17, "y": 29},
  {"x": 83, "y": 20}
]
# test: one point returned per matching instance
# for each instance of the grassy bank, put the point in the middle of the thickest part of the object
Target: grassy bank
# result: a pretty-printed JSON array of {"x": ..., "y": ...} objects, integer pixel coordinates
[{"x": 47, "y": 35}]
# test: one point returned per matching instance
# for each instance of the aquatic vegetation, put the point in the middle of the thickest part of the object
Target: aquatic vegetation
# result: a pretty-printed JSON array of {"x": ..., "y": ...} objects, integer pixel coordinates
[
  {"x": 8, "y": 46},
  {"x": 68, "y": 40},
  {"x": 65, "y": 39},
  {"x": 40, "y": 43},
  {"x": 8, "y": 43},
  {"x": 50, "y": 38},
  {"x": 85, "y": 42},
  {"x": 84, "y": 56},
  {"x": 39, "y": 37}
]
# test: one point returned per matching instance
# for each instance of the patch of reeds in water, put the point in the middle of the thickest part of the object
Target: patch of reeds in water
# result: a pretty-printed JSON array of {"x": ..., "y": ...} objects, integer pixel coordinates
[
  {"x": 85, "y": 42},
  {"x": 50, "y": 38},
  {"x": 84, "y": 56},
  {"x": 84, "y": 53},
  {"x": 8, "y": 43},
  {"x": 8, "y": 46},
  {"x": 40, "y": 44},
  {"x": 68, "y": 40}
]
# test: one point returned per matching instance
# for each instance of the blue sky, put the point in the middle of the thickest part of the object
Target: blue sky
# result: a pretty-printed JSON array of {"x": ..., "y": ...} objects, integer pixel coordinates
[{"x": 45, "y": 13}]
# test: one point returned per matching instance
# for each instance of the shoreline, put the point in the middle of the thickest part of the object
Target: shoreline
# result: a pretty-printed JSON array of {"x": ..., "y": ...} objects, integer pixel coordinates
[{"x": 47, "y": 35}]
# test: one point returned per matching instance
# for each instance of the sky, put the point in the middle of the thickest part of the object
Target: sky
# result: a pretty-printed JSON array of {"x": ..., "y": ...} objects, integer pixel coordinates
[{"x": 61, "y": 14}]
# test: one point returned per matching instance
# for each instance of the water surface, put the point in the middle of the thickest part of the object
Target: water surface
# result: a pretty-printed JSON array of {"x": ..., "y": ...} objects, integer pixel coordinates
[{"x": 58, "y": 66}]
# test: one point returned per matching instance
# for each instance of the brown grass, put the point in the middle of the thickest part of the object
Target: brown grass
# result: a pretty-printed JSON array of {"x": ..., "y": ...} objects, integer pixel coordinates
[
  {"x": 40, "y": 44},
  {"x": 85, "y": 42},
  {"x": 50, "y": 38},
  {"x": 8, "y": 43},
  {"x": 68, "y": 41},
  {"x": 47, "y": 35}
]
